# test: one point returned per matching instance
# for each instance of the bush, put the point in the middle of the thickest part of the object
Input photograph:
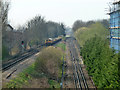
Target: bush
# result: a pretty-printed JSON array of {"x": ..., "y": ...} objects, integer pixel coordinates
[
  {"x": 49, "y": 62},
  {"x": 101, "y": 62},
  {"x": 85, "y": 33}
]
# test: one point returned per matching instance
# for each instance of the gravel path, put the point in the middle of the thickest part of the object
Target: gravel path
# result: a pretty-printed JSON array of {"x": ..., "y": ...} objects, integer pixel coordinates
[{"x": 68, "y": 82}]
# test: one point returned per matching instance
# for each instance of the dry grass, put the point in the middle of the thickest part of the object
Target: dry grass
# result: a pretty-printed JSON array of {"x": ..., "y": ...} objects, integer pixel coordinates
[
  {"x": 38, "y": 83},
  {"x": 14, "y": 50}
]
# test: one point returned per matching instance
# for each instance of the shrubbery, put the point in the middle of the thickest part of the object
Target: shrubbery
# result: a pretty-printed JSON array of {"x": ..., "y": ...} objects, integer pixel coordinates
[
  {"x": 101, "y": 62},
  {"x": 48, "y": 65},
  {"x": 62, "y": 45},
  {"x": 49, "y": 62},
  {"x": 85, "y": 33}
]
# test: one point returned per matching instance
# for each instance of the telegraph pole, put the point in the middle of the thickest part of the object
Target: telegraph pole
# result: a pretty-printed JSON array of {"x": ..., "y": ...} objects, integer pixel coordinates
[{"x": 0, "y": 44}]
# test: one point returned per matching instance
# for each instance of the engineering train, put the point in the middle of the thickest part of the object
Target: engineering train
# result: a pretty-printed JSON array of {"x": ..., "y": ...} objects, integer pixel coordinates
[{"x": 51, "y": 41}]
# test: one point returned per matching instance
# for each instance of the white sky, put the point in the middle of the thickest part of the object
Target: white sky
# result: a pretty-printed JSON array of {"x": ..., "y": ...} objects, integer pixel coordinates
[{"x": 66, "y": 11}]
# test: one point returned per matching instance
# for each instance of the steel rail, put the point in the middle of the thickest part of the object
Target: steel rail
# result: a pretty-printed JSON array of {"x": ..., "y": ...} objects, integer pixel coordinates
[
  {"x": 16, "y": 60},
  {"x": 23, "y": 56},
  {"x": 80, "y": 69},
  {"x": 83, "y": 77},
  {"x": 73, "y": 69},
  {"x": 77, "y": 68},
  {"x": 75, "y": 73},
  {"x": 74, "y": 76},
  {"x": 78, "y": 78}
]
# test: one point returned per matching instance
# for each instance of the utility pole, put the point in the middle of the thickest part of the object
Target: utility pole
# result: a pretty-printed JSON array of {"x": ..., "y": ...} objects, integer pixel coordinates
[
  {"x": 0, "y": 44},
  {"x": 0, "y": 30}
]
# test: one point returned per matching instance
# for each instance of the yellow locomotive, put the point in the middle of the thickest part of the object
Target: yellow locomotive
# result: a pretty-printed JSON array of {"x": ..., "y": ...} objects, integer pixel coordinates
[
  {"x": 48, "y": 41},
  {"x": 52, "y": 41}
]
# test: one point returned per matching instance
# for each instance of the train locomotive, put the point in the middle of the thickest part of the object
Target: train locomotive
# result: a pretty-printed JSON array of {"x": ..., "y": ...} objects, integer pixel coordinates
[{"x": 52, "y": 41}]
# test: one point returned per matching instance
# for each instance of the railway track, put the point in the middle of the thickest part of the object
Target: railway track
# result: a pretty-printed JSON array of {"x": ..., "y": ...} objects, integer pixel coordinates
[
  {"x": 78, "y": 75},
  {"x": 10, "y": 63}
]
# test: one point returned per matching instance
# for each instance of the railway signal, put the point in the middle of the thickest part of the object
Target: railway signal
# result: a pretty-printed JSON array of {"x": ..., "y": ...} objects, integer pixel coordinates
[{"x": 22, "y": 42}]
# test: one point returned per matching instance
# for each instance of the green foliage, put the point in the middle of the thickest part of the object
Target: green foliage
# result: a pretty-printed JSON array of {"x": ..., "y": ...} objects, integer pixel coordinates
[
  {"x": 5, "y": 52},
  {"x": 49, "y": 62},
  {"x": 79, "y": 23},
  {"x": 22, "y": 78},
  {"x": 101, "y": 62},
  {"x": 63, "y": 38},
  {"x": 53, "y": 83},
  {"x": 85, "y": 33},
  {"x": 62, "y": 45}
]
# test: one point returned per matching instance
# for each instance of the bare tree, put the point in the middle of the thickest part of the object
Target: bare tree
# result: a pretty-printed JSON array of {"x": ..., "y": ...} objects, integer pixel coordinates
[
  {"x": 38, "y": 30},
  {"x": 4, "y": 16},
  {"x": 5, "y": 8},
  {"x": 77, "y": 24}
]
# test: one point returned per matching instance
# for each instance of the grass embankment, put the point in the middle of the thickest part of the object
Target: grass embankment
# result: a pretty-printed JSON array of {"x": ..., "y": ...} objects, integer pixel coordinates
[
  {"x": 101, "y": 61},
  {"x": 21, "y": 79},
  {"x": 61, "y": 45},
  {"x": 48, "y": 65}
]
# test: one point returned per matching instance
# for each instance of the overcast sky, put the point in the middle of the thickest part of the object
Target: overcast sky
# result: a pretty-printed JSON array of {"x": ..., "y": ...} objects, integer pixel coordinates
[{"x": 66, "y": 11}]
